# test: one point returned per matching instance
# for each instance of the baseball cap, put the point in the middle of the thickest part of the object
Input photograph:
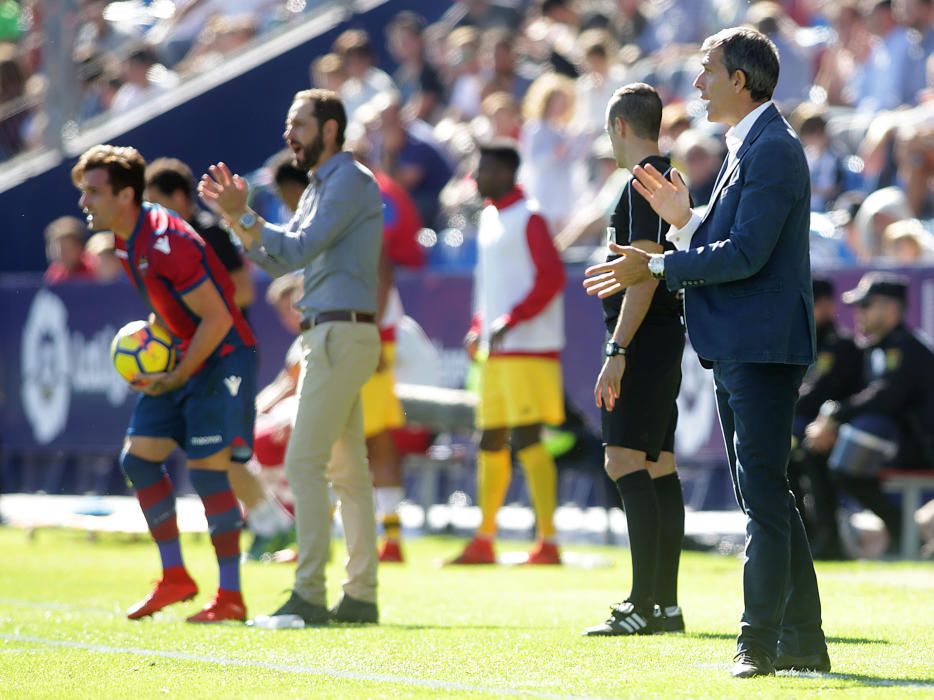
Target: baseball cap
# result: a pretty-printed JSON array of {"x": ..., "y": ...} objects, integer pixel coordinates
[{"x": 886, "y": 284}]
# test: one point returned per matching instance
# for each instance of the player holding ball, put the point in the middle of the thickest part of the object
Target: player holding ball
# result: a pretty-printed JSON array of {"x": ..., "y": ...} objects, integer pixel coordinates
[{"x": 205, "y": 403}]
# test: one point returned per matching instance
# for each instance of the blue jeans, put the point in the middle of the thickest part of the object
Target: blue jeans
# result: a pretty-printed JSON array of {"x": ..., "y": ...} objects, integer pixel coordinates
[{"x": 756, "y": 403}]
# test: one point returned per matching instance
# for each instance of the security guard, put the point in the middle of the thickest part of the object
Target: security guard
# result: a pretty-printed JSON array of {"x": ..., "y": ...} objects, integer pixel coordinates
[
  {"x": 835, "y": 376},
  {"x": 890, "y": 421}
]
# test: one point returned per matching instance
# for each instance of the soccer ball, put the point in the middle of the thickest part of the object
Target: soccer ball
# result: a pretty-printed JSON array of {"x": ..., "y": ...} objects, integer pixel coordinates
[{"x": 139, "y": 348}]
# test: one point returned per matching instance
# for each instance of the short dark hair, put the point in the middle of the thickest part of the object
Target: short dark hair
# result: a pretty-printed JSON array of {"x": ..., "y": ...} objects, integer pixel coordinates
[
  {"x": 752, "y": 52},
  {"x": 284, "y": 170},
  {"x": 170, "y": 175},
  {"x": 125, "y": 167},
  {"x": 506, "y": 151},
  {"x": 328, "y": 105},
  {"x": 640, "y": 107}
]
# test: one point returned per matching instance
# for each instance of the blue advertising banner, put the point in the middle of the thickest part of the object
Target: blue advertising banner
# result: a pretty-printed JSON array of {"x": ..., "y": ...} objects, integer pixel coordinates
[{"x": 58, "y": 390}]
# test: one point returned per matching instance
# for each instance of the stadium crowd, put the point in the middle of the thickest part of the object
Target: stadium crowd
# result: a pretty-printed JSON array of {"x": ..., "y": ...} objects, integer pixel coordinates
[{"x": 857, "y": 83}]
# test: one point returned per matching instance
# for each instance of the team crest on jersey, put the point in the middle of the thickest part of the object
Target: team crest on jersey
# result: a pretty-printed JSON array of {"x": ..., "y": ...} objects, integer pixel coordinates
[
  {"x": 893, "y": 359},
  {"x": 162, "y": 244},
  {"x": 824, "y": 362}
]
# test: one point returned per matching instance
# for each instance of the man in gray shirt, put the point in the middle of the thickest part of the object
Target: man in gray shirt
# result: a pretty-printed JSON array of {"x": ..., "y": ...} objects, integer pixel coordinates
[{"x": 336, "y": 238}]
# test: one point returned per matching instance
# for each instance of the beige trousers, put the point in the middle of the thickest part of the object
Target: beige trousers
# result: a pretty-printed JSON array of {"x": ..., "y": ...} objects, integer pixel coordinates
[{"x": 327, "y": 444}]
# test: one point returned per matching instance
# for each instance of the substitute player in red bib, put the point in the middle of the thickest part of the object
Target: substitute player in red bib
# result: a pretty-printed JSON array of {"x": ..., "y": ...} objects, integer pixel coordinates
[{"x": 205, "y": 403}]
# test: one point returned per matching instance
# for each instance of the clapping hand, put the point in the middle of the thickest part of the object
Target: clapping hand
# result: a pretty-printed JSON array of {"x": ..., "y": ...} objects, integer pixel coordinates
[
  {"x": 223, "y": 192},
  {"x": 609, "y": 278},
  {"x": 669, "y": 198}
]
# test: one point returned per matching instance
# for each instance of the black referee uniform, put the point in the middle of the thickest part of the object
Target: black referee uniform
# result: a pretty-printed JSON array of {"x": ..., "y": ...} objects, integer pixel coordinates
[{"x": 645, "y": 415}]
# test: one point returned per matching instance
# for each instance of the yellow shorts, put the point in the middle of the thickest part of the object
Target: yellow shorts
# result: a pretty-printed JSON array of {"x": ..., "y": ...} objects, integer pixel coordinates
[
  {"x": 382, "y": 409},
  {"x": 517, "y": 391}
]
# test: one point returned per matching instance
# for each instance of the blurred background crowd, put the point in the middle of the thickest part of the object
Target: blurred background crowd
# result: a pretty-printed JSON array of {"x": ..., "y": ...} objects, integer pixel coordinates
[{"x": 857, "y": 82}]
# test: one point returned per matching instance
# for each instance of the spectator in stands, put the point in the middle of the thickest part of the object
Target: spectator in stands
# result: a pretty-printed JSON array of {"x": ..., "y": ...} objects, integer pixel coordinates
[
  {"x": 463, "y": 73},
  {"x": 142, "y": 80},
  {"x": 908, "y": 243},
  {"x": 890, "y": 421},
  {"x": 222, "y": 36},
  {"x": 918, "y": 17},
  {"x": 14, "y": 112},
  {"x": 364, "y": 80},
  {"x": 550, "y": 149},
  {"x": 327, "y": 72},
  {"x": 102, "y": 248},
  {"x": 170, "y": 183},
  {"x": 848, "y": 50},
  {"x": 879, "y": 83},
  {"x": 700, "y": 155},
  {"x": 416, "y": 164},
  {"x": 835, "y": 376},
  {"x": 878, "y": 210},
  {"x": 64, "y": 248},
  {"x": 797, "y": 75},
  {"x": 503, "y": 117},
  {"x": 417, "y": 81},
  {"x": 97, "y": 35},
  {"x": 826, "y": 166},
  {"x": 602, "y": 75},
  {"x": 499, "y": 65}
]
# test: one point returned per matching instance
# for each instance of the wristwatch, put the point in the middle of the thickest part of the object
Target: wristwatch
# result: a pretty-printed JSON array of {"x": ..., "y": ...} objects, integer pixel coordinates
[
  {"x": 657, "y": 266},
  {"x": 247, "y": 219},
  {"x": 612, "y": 349}
]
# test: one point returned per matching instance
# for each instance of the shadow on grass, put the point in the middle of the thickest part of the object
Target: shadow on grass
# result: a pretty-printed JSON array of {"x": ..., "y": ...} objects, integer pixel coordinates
[
  {"x": 877, "y": 681},
  {"x": 830, "y": 640}
]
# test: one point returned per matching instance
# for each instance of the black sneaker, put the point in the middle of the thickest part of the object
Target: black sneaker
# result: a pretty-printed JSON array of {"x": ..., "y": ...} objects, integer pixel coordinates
[
  {"x": 313, "y": 615},
  {"x": 356, "y": 611},
  {"x": 667, "y": 620},
  {"x": 625, "y": 619},
  {"x": 750, "y": 663}
]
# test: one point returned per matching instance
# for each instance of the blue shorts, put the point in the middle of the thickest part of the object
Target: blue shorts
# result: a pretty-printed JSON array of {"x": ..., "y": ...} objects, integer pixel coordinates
[{"x": 215, "y": 409}]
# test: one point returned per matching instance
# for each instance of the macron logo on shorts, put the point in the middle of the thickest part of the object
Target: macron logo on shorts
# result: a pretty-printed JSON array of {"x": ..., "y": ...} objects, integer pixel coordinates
[
  {"x": 233, "y": 384},
  {"x": 162, "y": 244},
  {"x": 207, "y": 440}
]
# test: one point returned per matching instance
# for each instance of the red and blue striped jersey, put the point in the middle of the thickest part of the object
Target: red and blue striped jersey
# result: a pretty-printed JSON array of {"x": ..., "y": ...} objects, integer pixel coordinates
[{"x": 169, "y": 260}]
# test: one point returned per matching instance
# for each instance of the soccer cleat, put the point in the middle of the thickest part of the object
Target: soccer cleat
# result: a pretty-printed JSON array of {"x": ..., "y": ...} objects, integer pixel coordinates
[
  {"x": 819, "y": 662},
  {"x": 544, "y": 553},
  {"x": 625, "y": 619},
  {"x": 749, "y": 664},
  {"x": 478, "y": 551},
  {"x": 169, "y": 590},
  {"x": 667, "y": 619},
  {"x": 391, "y": 552},
  {"x": 355, "y": 611},
  {"x": 227, "y": 605}
]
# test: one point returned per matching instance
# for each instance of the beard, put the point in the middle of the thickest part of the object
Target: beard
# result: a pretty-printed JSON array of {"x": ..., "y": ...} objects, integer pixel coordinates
[{"x": 309, "y": 155}]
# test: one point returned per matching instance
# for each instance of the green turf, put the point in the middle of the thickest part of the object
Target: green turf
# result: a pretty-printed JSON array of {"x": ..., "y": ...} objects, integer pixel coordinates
[{"x": 482, "y": 632}]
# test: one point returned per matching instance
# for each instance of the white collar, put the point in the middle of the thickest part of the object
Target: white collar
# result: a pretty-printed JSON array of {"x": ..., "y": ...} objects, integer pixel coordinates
[{"x": 737, "y": 134}]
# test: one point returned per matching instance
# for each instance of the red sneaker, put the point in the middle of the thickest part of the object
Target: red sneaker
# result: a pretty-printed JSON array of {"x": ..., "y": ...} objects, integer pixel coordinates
[
  {"x": 171, "y": 589},
  {"x": 227, "y": 605},
  {"x": 478, "y": 551},
  {"x": 544, "y": 553},
  {"x": 391, "y": 552}
]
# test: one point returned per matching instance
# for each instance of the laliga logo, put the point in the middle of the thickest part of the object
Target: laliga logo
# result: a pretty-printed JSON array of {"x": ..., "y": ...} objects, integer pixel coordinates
[
  {"x": 56, "y": 363},
  {"x": 46, "y": 389}
]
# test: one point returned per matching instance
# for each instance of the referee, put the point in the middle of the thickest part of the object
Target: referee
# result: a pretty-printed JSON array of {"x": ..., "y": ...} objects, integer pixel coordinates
[{"x": 638, "y": 385}]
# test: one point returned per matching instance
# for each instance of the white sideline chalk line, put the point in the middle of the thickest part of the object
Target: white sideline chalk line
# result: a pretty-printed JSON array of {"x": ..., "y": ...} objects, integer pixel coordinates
[{"x": 289, "y": 668}]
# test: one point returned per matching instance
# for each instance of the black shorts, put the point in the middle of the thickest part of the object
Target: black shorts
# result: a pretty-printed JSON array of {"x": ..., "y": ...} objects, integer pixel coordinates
[{"x": 645, "y": 415}]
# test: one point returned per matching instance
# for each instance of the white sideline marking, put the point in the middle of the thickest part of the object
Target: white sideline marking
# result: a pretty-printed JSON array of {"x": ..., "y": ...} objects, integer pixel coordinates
[{"x": 289, "y": 668}]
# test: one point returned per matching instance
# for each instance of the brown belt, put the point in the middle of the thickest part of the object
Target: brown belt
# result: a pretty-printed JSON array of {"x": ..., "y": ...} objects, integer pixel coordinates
[{"x": 328, "y": 316}]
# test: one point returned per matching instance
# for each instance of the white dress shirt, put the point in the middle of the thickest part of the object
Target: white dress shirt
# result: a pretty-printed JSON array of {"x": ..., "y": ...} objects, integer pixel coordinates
[{"x": 681, "y": 237}]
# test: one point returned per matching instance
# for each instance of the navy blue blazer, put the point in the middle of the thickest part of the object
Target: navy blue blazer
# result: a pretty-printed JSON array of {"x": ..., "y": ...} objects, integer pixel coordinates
[{"x": 747, "y": 273}]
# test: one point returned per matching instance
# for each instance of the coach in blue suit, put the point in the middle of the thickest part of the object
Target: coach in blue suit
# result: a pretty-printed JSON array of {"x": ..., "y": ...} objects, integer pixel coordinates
[{"x": 749, "y": 311}]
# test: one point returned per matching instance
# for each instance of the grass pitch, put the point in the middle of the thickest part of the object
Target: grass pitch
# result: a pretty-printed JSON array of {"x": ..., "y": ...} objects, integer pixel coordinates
[{"x": 446, "y": 632}]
